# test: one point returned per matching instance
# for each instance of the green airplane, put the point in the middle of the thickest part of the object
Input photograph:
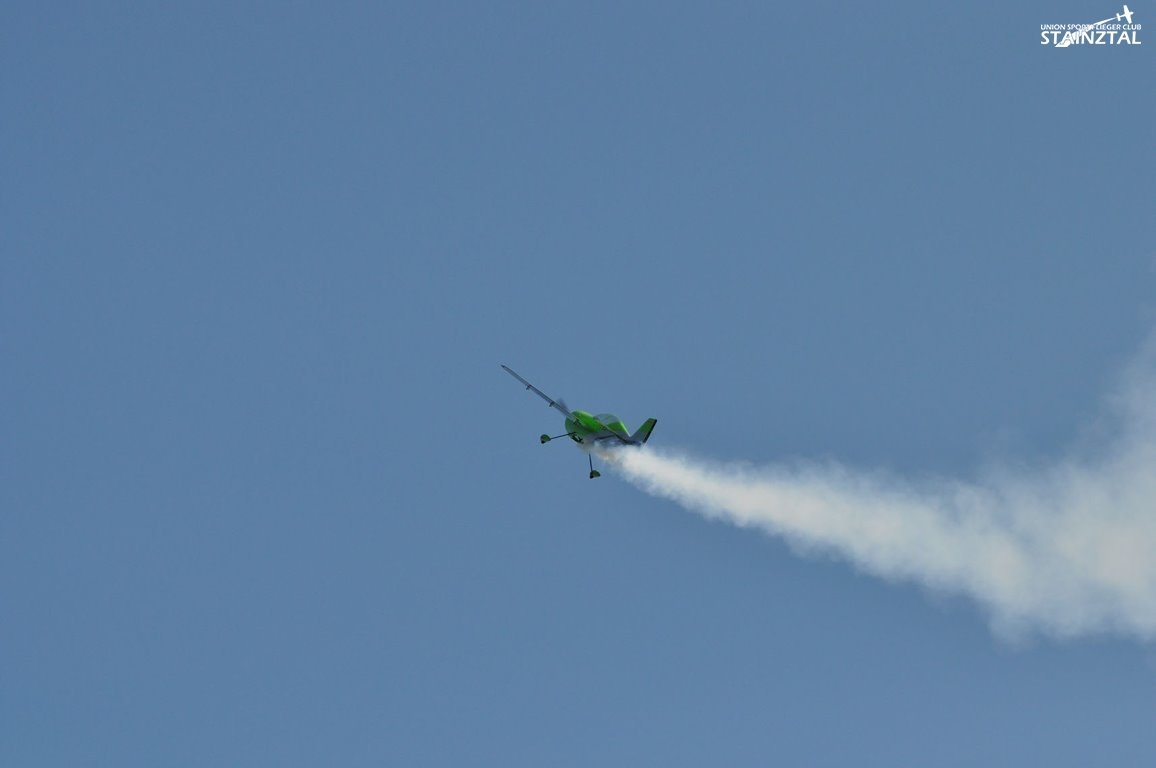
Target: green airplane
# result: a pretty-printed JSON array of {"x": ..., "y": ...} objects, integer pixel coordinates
[{"x": 587, "y": 430}]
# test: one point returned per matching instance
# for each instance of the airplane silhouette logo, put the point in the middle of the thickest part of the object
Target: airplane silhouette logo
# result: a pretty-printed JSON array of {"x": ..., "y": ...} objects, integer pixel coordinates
[{"x": 1071, "y": 37}]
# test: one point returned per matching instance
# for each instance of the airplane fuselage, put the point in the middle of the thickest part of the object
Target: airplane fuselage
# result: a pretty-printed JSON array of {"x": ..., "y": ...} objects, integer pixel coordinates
[
  {"x": 587, "y": 429},
  {"x": 584, "y": 427}
]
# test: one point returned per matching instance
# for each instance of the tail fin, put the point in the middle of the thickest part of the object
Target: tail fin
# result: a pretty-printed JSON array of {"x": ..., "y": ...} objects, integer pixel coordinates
[{"x": 643, "y": 433}]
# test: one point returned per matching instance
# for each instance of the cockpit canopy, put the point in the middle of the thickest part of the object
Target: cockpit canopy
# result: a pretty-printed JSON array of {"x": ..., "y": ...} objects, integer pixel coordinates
[{"x": 612, "y": 422}]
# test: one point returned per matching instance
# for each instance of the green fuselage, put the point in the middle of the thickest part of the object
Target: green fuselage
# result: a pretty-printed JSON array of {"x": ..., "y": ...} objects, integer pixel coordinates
[{"x": 586, "y": 428}]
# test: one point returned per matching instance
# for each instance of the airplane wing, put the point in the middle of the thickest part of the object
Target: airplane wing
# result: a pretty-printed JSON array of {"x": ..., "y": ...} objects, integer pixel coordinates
[{"x": 558, "y": 404}]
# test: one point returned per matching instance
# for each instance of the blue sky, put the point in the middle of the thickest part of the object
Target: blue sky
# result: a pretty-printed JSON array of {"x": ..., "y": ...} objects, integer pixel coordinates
[{"x": 267, "y": 499}]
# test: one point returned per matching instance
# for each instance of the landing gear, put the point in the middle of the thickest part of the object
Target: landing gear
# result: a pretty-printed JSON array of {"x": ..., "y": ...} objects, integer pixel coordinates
[{"x": 543, "y": 439}]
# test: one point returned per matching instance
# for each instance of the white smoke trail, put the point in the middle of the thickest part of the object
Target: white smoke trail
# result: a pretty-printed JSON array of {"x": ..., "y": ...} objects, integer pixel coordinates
[{"x": 1068, "y": 549}]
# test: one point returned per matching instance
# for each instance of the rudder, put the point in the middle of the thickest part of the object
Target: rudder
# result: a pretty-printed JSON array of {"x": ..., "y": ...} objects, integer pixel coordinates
[{"x": 643, "y": 433}]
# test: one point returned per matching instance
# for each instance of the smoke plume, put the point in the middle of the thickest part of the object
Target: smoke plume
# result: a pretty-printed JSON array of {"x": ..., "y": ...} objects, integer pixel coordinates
[{"x": 1067, "y": 549}]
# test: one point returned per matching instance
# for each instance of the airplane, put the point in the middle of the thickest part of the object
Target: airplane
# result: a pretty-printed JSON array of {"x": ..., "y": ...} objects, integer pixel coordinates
[
  {"x": 586, "y": 429},
  {"x": 1122, "y": 16},
  {"x": 1071, "y": 37}
]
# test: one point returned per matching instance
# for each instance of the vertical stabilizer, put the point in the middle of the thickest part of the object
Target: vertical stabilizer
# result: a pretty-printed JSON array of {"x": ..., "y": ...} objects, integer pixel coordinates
[{"x": 643, "y": 433}]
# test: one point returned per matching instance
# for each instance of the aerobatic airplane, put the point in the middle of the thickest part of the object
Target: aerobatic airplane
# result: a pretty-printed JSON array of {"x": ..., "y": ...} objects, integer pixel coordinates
[{"x": 586, "y": 429}]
